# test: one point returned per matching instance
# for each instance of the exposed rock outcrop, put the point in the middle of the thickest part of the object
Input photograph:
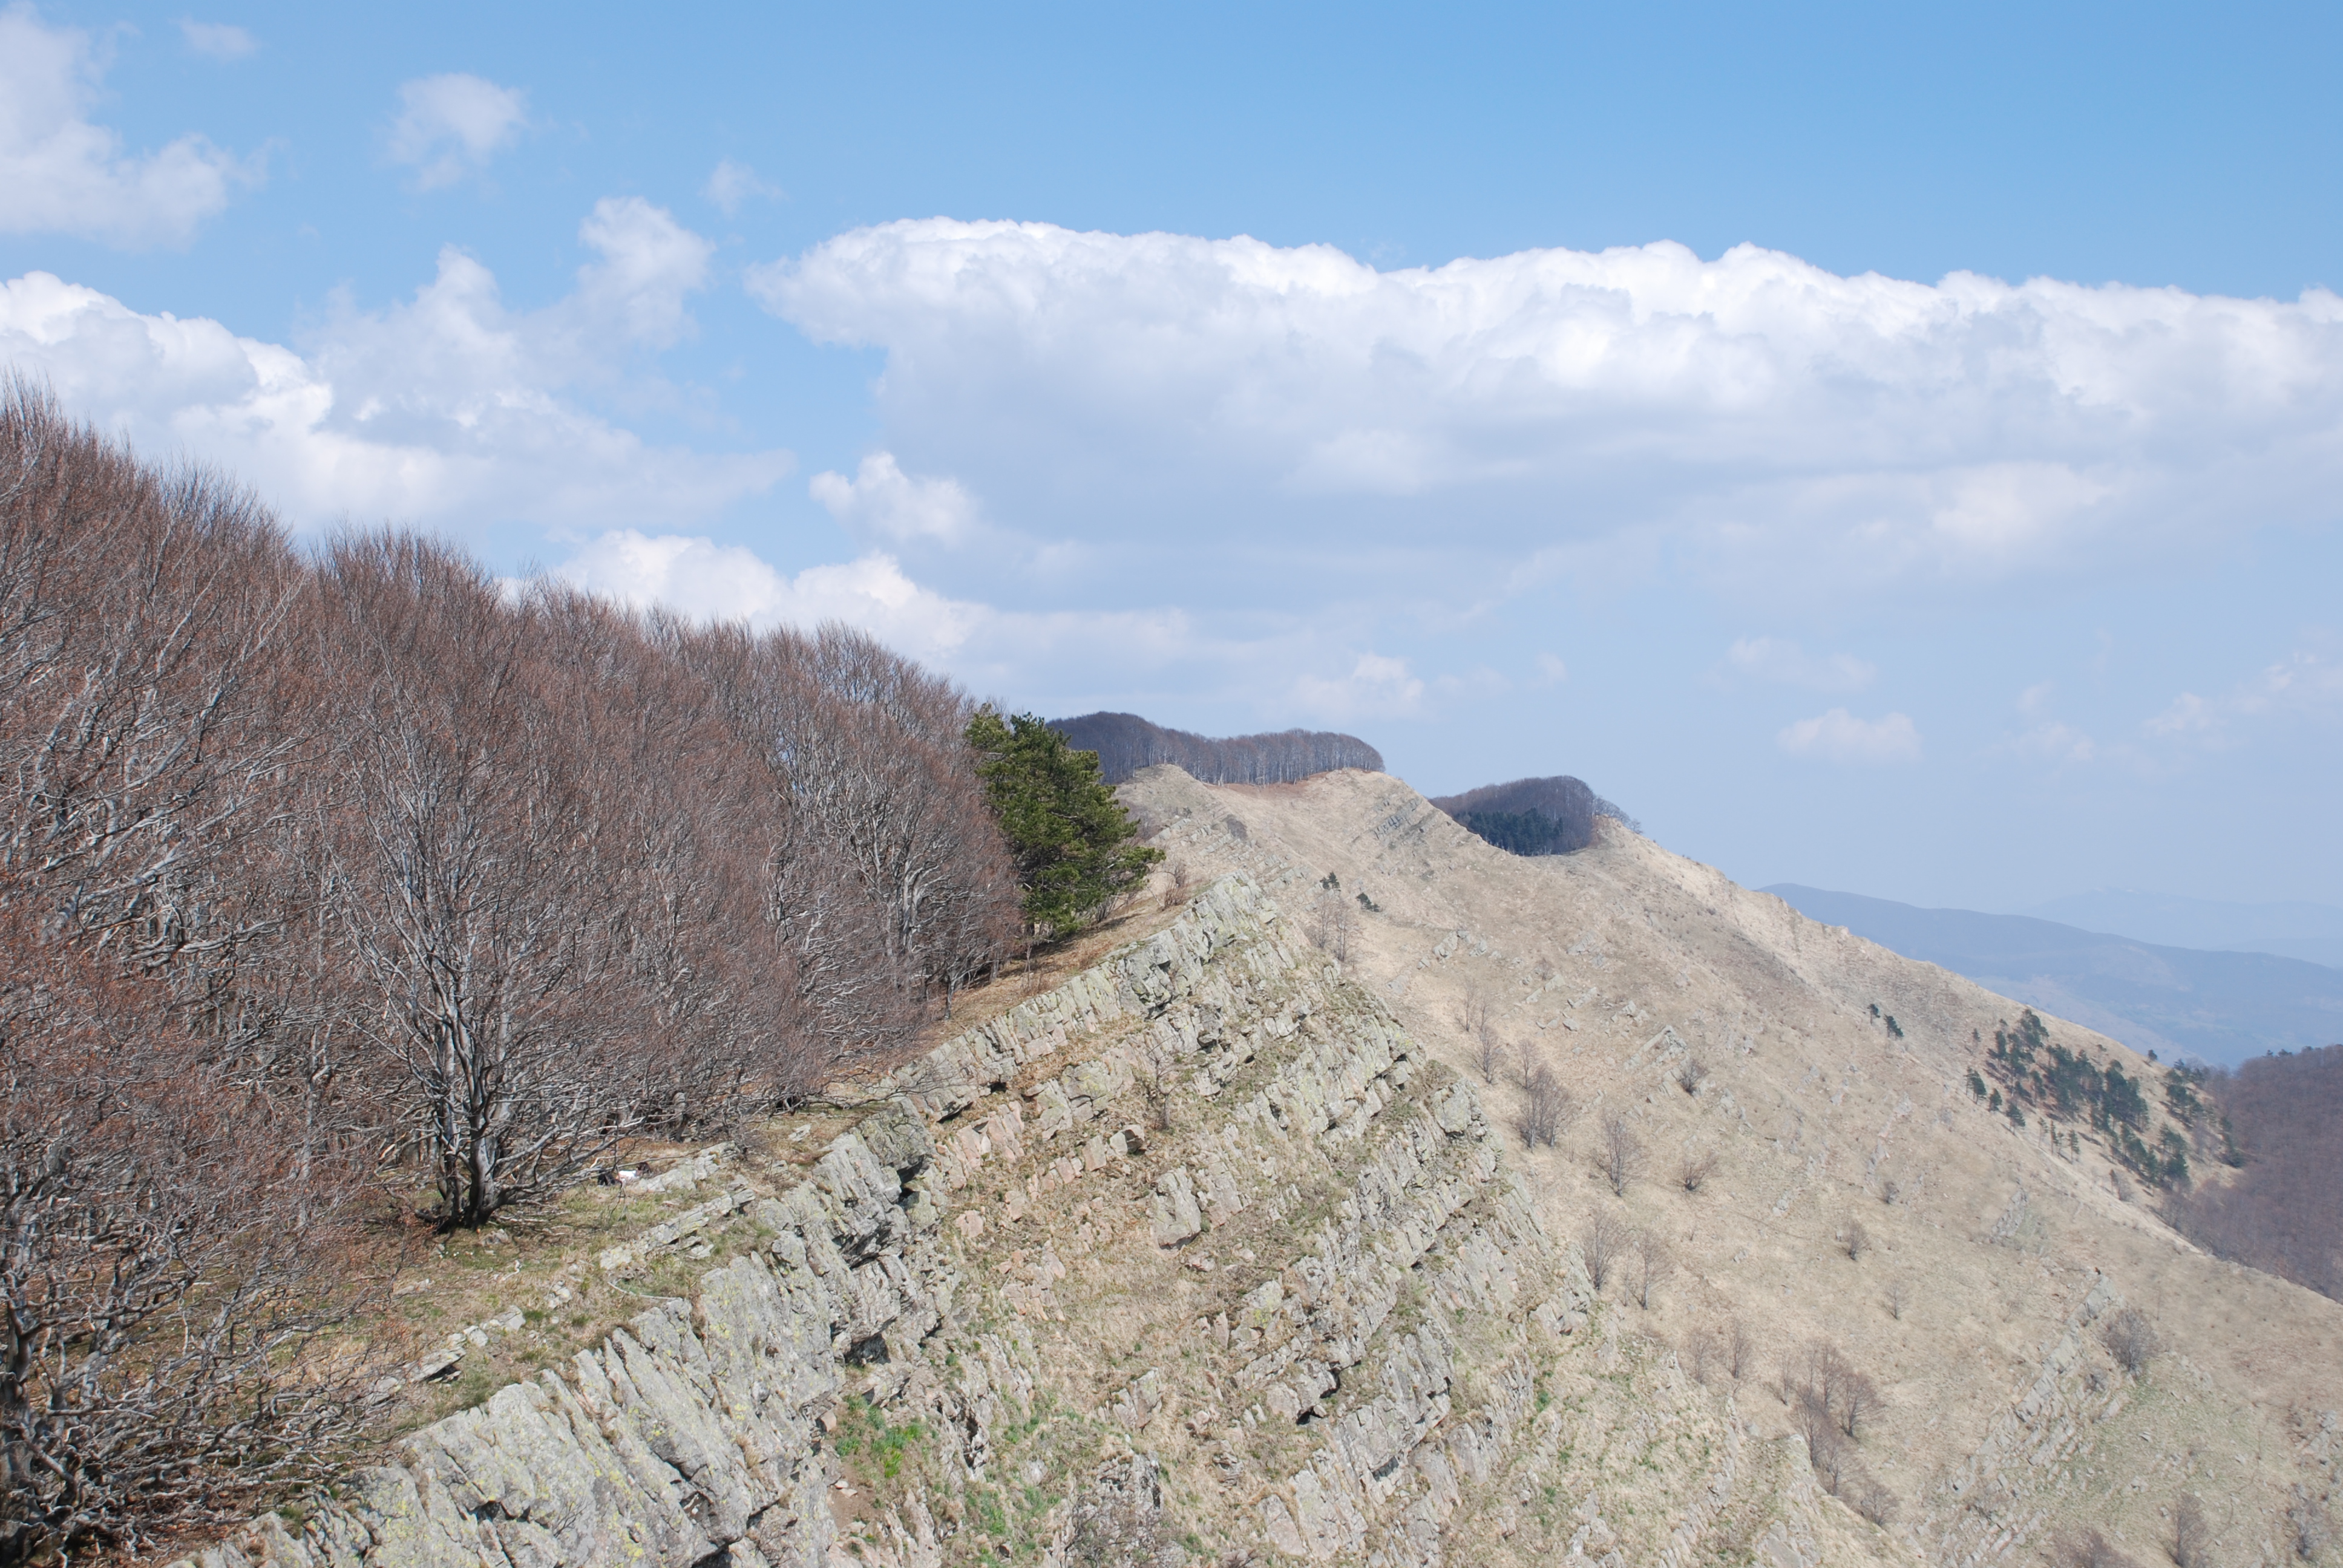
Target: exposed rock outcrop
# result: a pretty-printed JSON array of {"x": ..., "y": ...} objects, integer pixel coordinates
[{"x": 1195, "y": 1258}]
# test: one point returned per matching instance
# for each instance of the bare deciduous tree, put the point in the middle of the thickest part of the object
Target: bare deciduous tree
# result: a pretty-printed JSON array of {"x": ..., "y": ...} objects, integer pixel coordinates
[
  {"x": 2131, "y": 1339},
  {"x": 1153, "y": 1070},
  {"x": 1821, "y": 1376},
  {"x": 1621, "y": 1154},
  {"x": 1900, "y": 1294},
  {"x": 2091, "y": 1549},
  {"x": 1603, "y": 1244},
  {"x": 1815, "y": 1372},
  {"x": 1476, "y": 1017},
  {"x": 1125, "y": 743},
  {"x": 171, "y": 1237},
  {"x": 1653, "y": 1264},
  {"x": 1176, "y": 890},
  {"x": 166, "y": 1263},
  {"x": 467, "y": 880},
  {"x": 1691, "y": 1073},
  {"x": 1830, "y": 1401},
  {"x": 1873, "y": 1500},
  {"x": 1696, "y": 1168},
  {"x": 2278, "y": 1119},
  {"x": 2192, "y": 1534},
  {"x": 1488, "y": 1053},
  {"x": 1855, "y": 1241},
  {"x": 1546, "y": 1108},
  {"x": 1826, "y": 1447},
  {"x": 1702, "y": 1350},
  {"x": 1858, "y": 1401},
  {"x": 1332, "y": 919},
  {"x": 888, "y": 874},
  {"x": 1740, "y": 1349},
  {"x": 310, "y": 871}
]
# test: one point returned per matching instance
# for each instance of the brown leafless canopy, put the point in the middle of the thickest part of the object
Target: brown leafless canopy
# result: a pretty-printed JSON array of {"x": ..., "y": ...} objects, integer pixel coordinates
[
  {"x": 2280, "y": 1117},
  {"x": 170, "y": 1228},
  {"x": 1546, "y": 1106},
  {"x": 1604, "y": 1244},
  {"x": 1654, "y": 1262},
  {"x": 1125, "y": 743},
  {"x": 1332, "y": 920},
  {"x": 331, "y": 886},
  {"x": 2131, "y": 1339},
  {"x": 1740, "y": 1349},
  {"x": 1621, "y": 1154},
  {"x": 2192, "y": 1534},
  {"x": 2090, "y": 1549}
]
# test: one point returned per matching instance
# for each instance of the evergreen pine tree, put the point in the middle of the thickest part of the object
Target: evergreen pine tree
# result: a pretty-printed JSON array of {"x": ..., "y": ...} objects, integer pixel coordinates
[{"x": 1073, "y": 842}]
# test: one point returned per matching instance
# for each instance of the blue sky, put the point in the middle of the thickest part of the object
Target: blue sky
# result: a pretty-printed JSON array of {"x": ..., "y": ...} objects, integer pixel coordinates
[{"x": 1892, "y": 449}]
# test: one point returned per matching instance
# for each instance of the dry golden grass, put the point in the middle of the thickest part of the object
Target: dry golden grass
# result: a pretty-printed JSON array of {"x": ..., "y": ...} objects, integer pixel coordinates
[{"x": 1813, "y": 1111}]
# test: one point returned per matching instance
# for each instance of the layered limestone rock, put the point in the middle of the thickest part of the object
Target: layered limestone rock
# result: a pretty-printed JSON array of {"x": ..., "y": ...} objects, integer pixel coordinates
[{"x": 1194, "y": 1259}]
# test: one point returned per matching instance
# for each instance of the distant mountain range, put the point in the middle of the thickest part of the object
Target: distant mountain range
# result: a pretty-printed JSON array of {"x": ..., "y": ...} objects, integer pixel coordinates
[
  {"x": 2294, "y": 931},
  {"x": 2178, "y": 1001}
]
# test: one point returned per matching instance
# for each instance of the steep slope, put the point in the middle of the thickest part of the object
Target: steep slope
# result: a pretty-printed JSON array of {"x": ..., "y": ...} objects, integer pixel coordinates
[
  {"x": 1994, "y": 1258},
  {"x": 1197, "y": 1258}
]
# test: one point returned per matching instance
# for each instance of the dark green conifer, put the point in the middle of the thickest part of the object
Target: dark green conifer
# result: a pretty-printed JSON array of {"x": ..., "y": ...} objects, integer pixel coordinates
[{"x": 1074, "y": 844}]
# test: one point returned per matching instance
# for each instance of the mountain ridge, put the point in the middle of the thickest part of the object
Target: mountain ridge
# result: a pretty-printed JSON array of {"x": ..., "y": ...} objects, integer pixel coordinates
[
  {"x": 1821, "y": 1158},
  {"x": 2294, "y": 930},
  {"x": 1242, "y": 1246}
]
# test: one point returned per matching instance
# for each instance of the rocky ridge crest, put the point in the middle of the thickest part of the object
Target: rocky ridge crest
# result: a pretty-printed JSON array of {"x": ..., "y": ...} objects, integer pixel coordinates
[{"x": 1197, "y": 1259}]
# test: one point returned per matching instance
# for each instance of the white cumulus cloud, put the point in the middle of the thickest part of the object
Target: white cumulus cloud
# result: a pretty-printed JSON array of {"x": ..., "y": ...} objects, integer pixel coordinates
[
  {"x": 1375, "y": 687},
  {"x": 448, "y": 409},
  {"x": 452, "y": 124},
  {"x": 731, "y": 185},
  {"x": 60, "y": 173},
  {"x": 649, "y": 264},
  {"x": 1839, "y": 736},
  {"x": 882, "y": 498},
  {"x": 1789, "y": 428},
  {"x": 977, "y": 642}
]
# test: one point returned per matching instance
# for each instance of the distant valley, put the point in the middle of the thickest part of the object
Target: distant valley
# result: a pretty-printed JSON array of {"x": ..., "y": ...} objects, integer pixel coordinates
[{"x": 2179, "y": 1002}]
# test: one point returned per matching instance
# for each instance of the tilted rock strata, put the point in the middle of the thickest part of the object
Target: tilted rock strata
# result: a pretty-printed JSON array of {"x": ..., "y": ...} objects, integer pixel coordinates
[{"x": 1195, "y": 1255}]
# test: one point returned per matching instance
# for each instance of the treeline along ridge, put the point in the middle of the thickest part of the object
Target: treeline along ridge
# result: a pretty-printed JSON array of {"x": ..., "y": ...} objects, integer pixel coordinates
[{"x": 347, "y": 886}]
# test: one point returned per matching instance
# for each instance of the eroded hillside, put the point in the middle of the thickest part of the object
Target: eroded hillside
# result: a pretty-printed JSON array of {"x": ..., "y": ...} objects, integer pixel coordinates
[
  {"x": 1224, "y": 1251},
  {"x": 1988, "y": 1259},
  {"x": 1198, "y": 1258}
]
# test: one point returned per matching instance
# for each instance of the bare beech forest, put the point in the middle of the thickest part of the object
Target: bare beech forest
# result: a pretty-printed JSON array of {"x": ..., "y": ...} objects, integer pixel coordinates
[
  {"x": 354, "y": 890},
  {"x": 1533, "y": 816},
  {"x": 1125, "y": 743},
  {"x": 2281, "y": 1119}
]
